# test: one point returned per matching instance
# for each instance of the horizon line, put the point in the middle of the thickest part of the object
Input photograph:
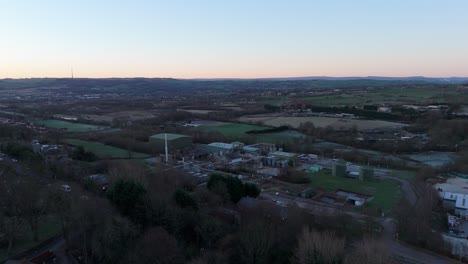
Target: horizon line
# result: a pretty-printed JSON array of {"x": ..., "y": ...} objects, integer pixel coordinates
[{"x": 242, "y": 78}]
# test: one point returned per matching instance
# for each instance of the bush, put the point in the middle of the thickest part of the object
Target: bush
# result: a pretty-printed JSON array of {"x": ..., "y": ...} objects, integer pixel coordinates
[
  {"x": 184, "y": 200},
  {"x": 234, "y": 185}
]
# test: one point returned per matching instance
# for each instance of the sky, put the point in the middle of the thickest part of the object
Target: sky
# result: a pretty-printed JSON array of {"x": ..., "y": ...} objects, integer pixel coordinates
[{"x": 233, "y": 38}]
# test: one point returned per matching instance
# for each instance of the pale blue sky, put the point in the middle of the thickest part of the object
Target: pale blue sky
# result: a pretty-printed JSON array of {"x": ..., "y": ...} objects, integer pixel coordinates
[{"x": 238, "y": 38}]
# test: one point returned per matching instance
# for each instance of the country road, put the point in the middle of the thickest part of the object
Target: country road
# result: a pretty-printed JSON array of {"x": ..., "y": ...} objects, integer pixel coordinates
[{"x": 407, "y": 252}]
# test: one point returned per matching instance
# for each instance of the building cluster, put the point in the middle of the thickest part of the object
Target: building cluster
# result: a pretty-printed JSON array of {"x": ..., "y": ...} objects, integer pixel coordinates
[
  {"x": 50, "y": 153},
  {"x": 363, "y": 173},
  {"x": 261, "y": 159}
]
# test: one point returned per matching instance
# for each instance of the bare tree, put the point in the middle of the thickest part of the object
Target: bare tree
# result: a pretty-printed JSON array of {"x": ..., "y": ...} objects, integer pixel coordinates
[
  {"x": 156, "y": 246},
  {"x": 10, "y": 206},
  {"x": 32, "y": 197},
  {"x": 370, "y": 251},
  {"x": 256, "y": 240},
  {"x": 129, "y": 170},
  {"x": 319, "y": 247}
]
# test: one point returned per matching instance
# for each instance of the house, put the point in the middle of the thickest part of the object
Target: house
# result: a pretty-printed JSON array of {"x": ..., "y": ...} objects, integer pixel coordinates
[
  {"x": 50, "y": 153},
  {"x": 100, "y": 181}
]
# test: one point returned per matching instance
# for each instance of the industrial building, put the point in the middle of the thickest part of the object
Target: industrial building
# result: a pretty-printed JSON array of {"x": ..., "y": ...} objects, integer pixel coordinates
[
  {"x": 174, "y": 141},
  {"x": 221, "y": 148},
  {"x": 339, "y": 169},
  {"x": 367, "y": 174},
  {"x": 284, "y": 155}
]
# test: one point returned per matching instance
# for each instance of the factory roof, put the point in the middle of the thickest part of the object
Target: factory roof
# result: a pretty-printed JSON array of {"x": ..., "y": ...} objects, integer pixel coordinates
[
  {"x": 169, "y": 136},
  {"x": 249, "y": 149},
  {"x": 283, "y": 154},
  {"x": 462, "y": 202},
  {"x": 221, "y": 145}
]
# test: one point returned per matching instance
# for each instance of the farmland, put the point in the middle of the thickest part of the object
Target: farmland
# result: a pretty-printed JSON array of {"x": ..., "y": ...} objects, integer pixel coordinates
[
  {"x": 319, "y": 121},
  {"x": 386, "y": 192},
  {"x": 104, "y": 151},
  {"x": 402, "y": 95},
  {"x": 69, "y": 126},
  {"x": 123, "y": 115}
]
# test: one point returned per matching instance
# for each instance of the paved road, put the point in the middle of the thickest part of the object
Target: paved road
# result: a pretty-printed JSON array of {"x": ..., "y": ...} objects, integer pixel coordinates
[
  {"x": 58, "y": 247},
  {"x": 407, "y": 252}
]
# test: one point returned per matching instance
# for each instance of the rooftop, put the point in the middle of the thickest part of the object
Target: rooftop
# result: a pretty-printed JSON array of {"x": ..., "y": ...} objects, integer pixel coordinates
[
  {"x": 462, "y": 202},
  {"x": 169, "y": 136},
  {"x": 284, "y": 154},
  {"x": 221, "y": 145},
  {"x": 249, "y": 149},
  {"x": 454, "y": 185}
]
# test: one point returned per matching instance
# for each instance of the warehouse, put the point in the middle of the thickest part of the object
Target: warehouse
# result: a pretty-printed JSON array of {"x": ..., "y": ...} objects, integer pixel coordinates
[
  {"x": 221, "y": 148},
  {"x": 284, "y": 155},
  {"x": 174, "y": 141}
]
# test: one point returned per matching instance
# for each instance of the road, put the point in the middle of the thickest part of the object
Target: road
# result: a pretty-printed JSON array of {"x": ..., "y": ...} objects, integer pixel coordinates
[{"x": 409, "y": 253}]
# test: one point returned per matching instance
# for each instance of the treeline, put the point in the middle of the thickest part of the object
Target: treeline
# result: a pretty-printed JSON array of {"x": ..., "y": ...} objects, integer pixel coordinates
[
  {"x": 164, "y": 218},
  {"x": 235, "y": 188},
  {"x": 268, "y": 130},
  {"x": 355, "y": 111},
  {"x": 421, "y": 222}
]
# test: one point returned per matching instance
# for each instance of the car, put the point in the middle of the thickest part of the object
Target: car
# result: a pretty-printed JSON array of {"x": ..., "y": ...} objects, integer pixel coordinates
[
  {"x": 65, "y": 188},
  {"x": 14, "y": 160}
]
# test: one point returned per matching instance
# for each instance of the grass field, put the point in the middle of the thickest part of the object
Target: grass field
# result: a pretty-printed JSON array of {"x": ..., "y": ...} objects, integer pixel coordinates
[
  {"x": 319, "y": 121},
  {"x": 104, "y": 151},
  {"x": 403, "y": 95},
  {"x": 386, "y": 192},
  {"x": 48, "y": 227},
  {"x": 69, "y": 126}
]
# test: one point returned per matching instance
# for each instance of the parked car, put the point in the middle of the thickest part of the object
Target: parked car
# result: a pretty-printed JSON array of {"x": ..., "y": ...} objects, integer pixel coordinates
[{"x": 66, "y": 188}]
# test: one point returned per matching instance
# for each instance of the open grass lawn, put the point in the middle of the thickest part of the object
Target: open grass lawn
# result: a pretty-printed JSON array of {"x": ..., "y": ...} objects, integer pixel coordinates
[
  {"x": 386, "y": 192},
  {"x": 48, "y": 227},
  {"x": 389, "y": 95},
  {"x": 103, "y": 151},
  {"x": 72, "y": 127},
  {"x": 404, "y": 174},
  {"x": 319, "y": 121}
]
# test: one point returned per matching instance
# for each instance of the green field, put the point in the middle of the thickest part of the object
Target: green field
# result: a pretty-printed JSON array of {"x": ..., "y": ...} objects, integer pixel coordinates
[
  {"x": 104, "y": 151},
  {"x": 403, "y": 95},
  {"x": 69, "y": 126},
  {"x": 318, "y": 121},
  {"x": 386, "y": 192}
]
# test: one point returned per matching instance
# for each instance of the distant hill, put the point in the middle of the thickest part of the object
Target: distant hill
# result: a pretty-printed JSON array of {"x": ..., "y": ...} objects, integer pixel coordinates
[
  {"x": 379, "y": 78},
  {"x": 147, "y": 86}
]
